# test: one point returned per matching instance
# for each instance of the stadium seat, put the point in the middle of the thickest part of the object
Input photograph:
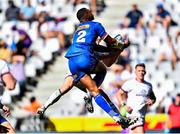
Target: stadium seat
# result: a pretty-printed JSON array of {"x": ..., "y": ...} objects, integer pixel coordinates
[
  {"x": 23, "y": 25},
  {"x": 153, "y": 42},
  {"x": 52, "y": 45},
  {"x": 30, "y": 70},
  {"x": 165, "y": 66}
]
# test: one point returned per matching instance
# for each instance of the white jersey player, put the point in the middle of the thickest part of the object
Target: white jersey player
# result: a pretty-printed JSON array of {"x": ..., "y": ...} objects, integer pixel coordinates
[
  {"x": 8, "y": 81},
  {"x": 139, "y": 96}
]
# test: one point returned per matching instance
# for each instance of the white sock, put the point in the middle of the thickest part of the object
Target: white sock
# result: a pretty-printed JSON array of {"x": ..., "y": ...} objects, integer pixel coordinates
[{"x": 54, "y": 97}]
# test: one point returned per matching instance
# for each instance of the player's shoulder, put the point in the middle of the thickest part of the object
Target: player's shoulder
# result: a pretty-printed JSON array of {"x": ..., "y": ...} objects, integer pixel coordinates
[
  {"x": 130, "y": 81},
  {"x": 96, "y": 23},
  {"x": 148, "y": 83}
]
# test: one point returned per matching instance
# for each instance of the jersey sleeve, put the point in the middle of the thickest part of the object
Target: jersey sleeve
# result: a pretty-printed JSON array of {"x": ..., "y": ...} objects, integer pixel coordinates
[
  {"x": 100, "y": 30},
  {"x": 5, "y": 68},
  {"x": 125, "y": 87},
  {"x": 150, "y": 88}
]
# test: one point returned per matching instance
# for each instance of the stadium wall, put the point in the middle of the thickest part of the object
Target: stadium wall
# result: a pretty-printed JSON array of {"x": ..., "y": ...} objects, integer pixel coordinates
[{"x": 154, "y": 122}]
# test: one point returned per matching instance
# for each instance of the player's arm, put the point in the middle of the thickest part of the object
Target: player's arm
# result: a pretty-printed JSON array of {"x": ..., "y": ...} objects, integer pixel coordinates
[
  {"x": 151, "y": 99},
  {"x": 121, "y": 96},
  {"x": 5, "y": 109},
  {"x": 117, "y": 42},
  {"x": 9, "y": 81},
  {"x": 121, "y": 43}
]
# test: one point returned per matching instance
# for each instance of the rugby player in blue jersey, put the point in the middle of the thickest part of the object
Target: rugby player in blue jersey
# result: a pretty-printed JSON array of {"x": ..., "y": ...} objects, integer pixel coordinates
[{"x": 83, "y": 62}]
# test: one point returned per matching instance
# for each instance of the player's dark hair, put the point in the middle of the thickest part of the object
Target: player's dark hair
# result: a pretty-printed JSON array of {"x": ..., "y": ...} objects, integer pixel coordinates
[
  {"x": 140, "y": 65},
  {"x": 81, "y": 13}
]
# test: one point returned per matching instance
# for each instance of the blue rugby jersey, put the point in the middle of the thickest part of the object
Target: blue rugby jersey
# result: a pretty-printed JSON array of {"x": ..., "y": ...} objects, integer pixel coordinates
[{"x": 85, "y": 38}]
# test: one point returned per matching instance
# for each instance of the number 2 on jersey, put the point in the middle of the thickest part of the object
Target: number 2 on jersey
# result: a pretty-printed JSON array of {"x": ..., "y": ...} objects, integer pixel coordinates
[{"x": 81, "y": 36}]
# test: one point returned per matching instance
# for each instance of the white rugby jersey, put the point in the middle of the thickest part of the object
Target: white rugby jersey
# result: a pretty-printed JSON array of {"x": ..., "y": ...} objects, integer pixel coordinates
[
  {"x": 3, "y": 70},
  {"x": 137, "y": 94}
]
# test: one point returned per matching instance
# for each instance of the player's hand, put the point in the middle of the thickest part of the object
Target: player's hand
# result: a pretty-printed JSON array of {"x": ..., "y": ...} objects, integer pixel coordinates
[
  {"x": 6, "y": 110},
  {"x": 149, "y": 102},
  {"x": 129, "y": 109},
  {"x": 126, "y": 41},
  {"x": 122, "y": 42}
]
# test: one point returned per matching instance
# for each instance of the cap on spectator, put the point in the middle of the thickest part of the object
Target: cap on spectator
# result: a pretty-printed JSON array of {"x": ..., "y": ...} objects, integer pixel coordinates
[{"x": 160, "y": 6}]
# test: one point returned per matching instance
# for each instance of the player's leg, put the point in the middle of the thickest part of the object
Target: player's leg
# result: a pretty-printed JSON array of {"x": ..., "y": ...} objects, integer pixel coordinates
[
  {"x": 87, "y": 98},
  {"x": 112, "y": 53},
  {"x": 105, "y": 103},
  {"x": 100, "y": 98},
  {"x": 5, "y": 126},
  {"x": 106, "y": 54},
  {"x": 56, "y": 95},
  {"x": 77, "y": 66},
  {"x": 100, "y": 72}
]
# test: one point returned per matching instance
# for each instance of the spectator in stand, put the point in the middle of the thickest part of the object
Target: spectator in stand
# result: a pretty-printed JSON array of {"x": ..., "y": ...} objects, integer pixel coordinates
[
  {"x": 28, "y": 12},
  {"x": 18, "y": 72},
  {"x": 19, "y": 57},
  {"x": 33, "y": 106},
  {"x": 124, "y": 59},
  {"x": 12, "y": 12},
  {"x": 51, "y": 29},
  {"x": 168, "y": 52},
  {"x": 5, "y": 52},
  {"x": 22, "y": 46},
  {"x": 134, "y": 18},
  {"x": 43, "y": 7},
  {"x": 164, "y": 17},
  {"x": 173, "y": 112}
]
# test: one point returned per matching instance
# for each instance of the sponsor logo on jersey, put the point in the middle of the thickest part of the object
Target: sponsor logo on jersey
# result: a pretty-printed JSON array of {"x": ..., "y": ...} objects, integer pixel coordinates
[
  {"x": 143, "y": 93},
  {"x": 82, "y": 27}
]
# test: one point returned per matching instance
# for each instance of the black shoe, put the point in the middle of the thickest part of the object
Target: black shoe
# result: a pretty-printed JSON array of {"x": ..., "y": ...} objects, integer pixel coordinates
[
  {"x": 88, "y": 104},
  {"x": 125, "y": 122}
]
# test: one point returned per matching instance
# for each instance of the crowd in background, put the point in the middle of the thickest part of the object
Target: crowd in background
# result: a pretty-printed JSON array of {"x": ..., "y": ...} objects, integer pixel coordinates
[{"x": 32, "y": 34}]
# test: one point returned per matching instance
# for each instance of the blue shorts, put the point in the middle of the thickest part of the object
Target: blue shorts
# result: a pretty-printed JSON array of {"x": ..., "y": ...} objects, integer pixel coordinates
[
  {"x": 2, "y": 119},
  {"x": 81, "y": 65}
]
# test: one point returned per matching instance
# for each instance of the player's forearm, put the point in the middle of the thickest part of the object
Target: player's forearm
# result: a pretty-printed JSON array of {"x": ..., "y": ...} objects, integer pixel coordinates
[
  {"x": 120, "y": 95},
  {"x": 109, "y": 41},
  {"x": 152, "y": 97},
  {"x": 9, "y": 81}
]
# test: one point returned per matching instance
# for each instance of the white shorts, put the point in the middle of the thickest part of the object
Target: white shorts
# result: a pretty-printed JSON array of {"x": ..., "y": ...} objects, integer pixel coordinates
[{"x": 140, "y": 122}]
